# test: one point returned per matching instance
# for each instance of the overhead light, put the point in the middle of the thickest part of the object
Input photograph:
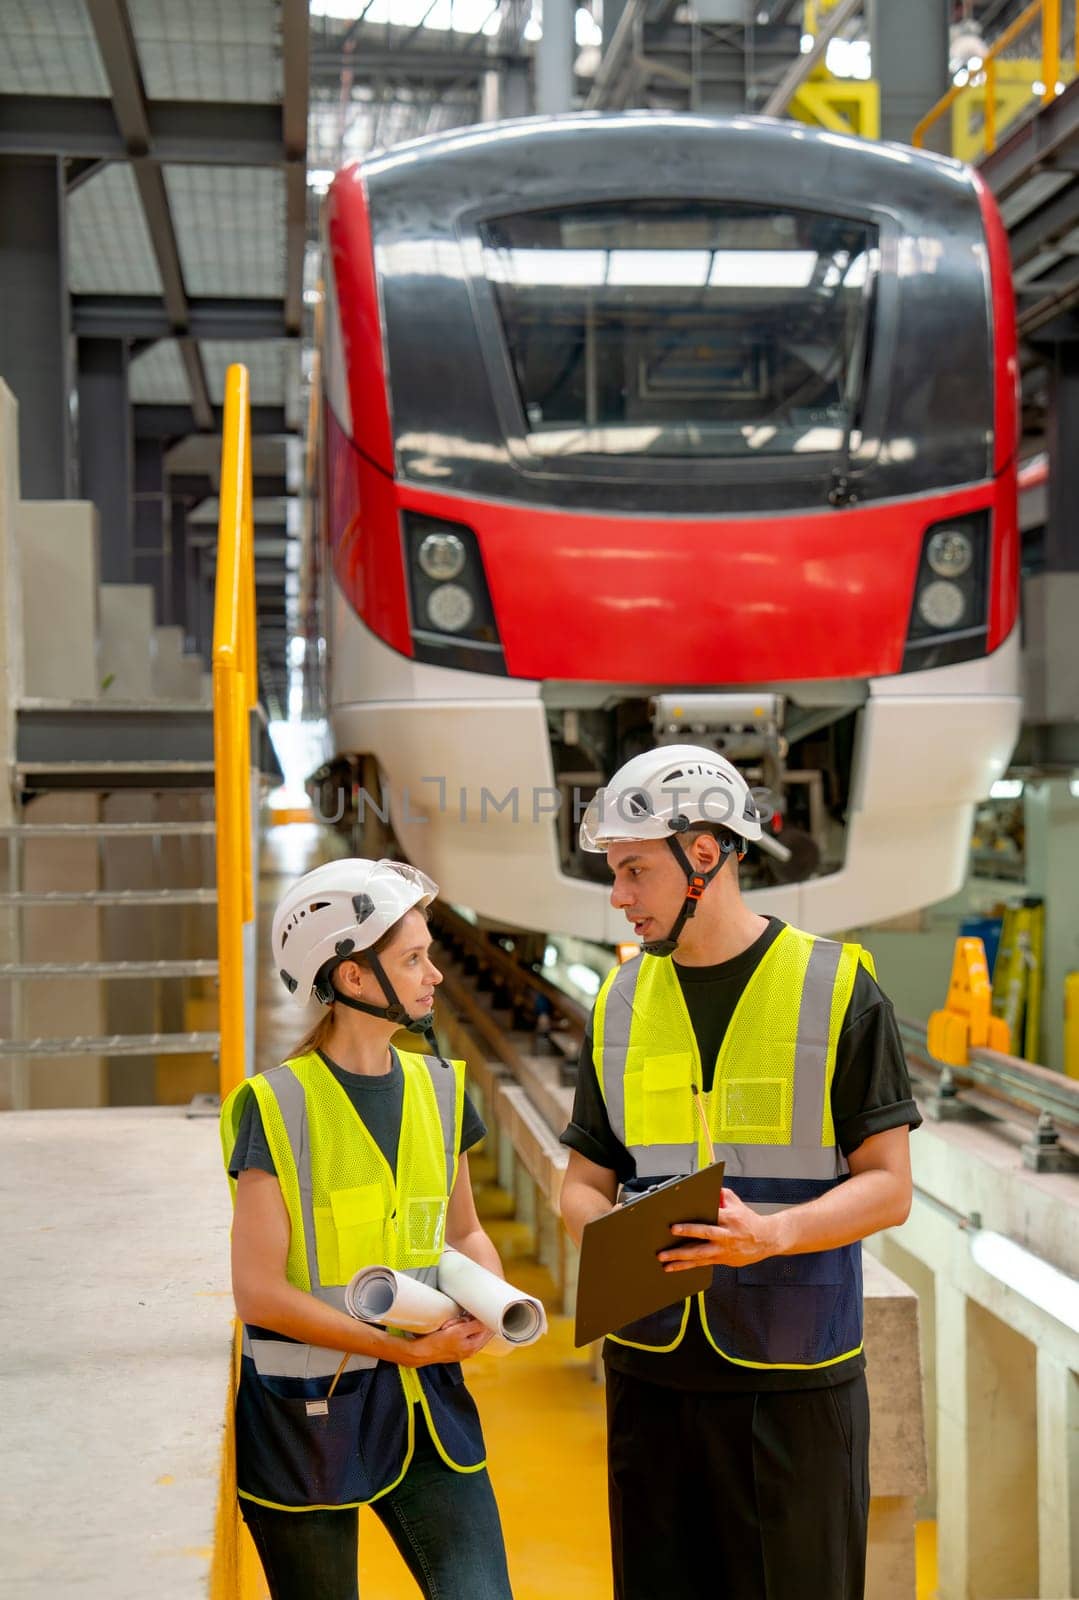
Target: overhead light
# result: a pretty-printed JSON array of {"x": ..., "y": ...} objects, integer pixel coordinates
[
  {"x": 1073, "y": 788},
  {"x": 1044, "y": 1285},
  {"x": 762, "y": 269},
  {"x": 667, "y": 268},
  {"x": 1006, "y": 789}
]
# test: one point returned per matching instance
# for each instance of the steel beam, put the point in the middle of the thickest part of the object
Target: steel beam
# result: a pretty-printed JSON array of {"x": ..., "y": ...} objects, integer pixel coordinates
[
  {"x": 34, "y": 342},
  {"x": 295, "y": 27},
  {"x": 116, "y": 44},
  {"x": 196, "y": 486},
  {"x": 106, "y": 454},
  {"x": 1045, "y": 226},
  {"x": 1036, "y": 145},
  {"x": 176, "y": 422},
  {"x": 146, "y": 316},
  {"x": 379, "y": 62},
  {"x": 182, "y": 132}
]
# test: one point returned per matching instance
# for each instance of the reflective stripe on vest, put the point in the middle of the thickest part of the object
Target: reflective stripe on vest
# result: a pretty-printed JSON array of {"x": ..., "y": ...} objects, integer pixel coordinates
[{"x": 769, "y": 1113}]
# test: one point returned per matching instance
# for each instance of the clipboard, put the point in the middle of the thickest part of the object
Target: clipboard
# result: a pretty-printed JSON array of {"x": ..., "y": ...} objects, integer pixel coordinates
[{"x": 619, "y": 1278}]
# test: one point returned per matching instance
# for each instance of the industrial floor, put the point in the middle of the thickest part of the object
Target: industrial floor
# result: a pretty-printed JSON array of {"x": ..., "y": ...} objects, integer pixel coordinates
[{"x": 542, "y": 1408}]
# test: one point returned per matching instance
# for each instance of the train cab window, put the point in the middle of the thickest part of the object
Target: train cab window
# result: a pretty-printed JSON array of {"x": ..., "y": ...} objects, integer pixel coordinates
[{"x": 683, "y": 328}]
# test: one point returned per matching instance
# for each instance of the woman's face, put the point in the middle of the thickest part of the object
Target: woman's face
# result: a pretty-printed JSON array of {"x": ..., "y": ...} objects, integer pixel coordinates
[{"x": 408, "y": 965}]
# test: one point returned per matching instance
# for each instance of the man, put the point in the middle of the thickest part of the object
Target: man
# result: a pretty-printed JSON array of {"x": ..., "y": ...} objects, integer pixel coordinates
[{"x": 738, "y": 1425}]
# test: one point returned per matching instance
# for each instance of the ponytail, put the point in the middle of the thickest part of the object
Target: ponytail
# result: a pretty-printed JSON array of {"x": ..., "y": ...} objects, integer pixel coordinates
[{"x": 315, "y": 1038}]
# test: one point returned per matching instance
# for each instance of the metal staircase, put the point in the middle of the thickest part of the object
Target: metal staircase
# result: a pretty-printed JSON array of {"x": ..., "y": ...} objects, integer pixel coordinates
[{"x": 174, "y": 973}]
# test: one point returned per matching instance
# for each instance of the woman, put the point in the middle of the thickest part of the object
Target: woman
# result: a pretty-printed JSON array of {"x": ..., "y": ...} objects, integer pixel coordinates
[{"x": 349, "y": 1155}]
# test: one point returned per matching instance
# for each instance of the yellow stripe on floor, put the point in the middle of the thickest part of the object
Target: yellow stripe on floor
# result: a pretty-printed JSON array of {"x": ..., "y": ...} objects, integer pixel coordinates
[
  {"x": 543, "y": 1420},
  {"x": 925, "y": 1554}
]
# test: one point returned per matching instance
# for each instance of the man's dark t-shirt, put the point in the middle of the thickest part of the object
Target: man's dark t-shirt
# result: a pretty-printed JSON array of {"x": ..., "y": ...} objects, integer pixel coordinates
[{"x": 870, "y": 1093}]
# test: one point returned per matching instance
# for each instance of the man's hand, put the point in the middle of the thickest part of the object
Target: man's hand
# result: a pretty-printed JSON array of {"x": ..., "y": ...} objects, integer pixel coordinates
[{"x": 738, "y": 1237}]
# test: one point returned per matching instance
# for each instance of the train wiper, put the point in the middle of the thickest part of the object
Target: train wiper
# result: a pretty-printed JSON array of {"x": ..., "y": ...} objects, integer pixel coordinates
[{"x": 843, "y": 489}]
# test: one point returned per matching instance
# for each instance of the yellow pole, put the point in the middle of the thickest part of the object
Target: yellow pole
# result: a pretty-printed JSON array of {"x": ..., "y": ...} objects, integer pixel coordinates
[
  {"x": 1071, "y": 1024},
  {"x": 231, "y": 772},
  {"x": 1050, "y": 49},
  {"x": 990, "y": 113}
]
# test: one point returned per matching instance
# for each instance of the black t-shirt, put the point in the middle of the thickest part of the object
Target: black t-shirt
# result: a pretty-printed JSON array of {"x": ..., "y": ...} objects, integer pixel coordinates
[
  {"x": 378, "y": 1103},
  {"x": 870, "y": 1093}
]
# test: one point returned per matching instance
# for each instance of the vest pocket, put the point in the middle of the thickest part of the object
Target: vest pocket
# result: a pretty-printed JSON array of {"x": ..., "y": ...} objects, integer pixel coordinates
[
  {"x": 425, "y": 1223},
  {"x": 666, "y": 1103},
  {"x": 357, "y": 1224},
  {"x": 290, "y": 1457},
  {"x": 786, "y": 1311}
]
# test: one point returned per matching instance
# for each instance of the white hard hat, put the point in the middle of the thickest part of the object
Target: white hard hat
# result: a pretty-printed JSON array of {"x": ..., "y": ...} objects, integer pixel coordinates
[
  {"x": 339, "y": 910},
  {"x": 665, "y": 792}
]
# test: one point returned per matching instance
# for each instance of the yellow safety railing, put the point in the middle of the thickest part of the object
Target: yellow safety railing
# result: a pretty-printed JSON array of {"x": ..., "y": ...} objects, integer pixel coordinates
[
  {"x": 235, "y": 676},
  {"x": 1003, "y": 87}
]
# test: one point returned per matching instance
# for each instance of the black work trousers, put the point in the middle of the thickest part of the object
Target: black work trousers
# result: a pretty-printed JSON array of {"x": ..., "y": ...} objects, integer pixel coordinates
[{"x": 757, "y": 1496}]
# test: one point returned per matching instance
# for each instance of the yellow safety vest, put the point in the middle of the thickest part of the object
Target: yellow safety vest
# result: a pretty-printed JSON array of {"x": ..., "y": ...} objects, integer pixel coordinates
[
  {"x": 770, "y": 1117},
  {"x": 348, "y": 1210}
]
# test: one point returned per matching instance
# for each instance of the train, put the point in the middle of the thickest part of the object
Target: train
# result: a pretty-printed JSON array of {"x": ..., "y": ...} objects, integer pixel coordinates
[{"x": 641, "y": 428}]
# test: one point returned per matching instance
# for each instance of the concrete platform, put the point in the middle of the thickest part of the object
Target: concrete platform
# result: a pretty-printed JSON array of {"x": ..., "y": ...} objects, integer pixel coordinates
[{"x": 116, "y": 1324}]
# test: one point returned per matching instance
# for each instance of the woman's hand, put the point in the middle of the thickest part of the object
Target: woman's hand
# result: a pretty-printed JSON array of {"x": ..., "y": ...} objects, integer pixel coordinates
[{"x": 454, "y": 1341}]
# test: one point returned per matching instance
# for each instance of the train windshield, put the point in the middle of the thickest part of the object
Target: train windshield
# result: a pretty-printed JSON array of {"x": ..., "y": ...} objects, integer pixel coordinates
[{"x": 684, "y": 328}]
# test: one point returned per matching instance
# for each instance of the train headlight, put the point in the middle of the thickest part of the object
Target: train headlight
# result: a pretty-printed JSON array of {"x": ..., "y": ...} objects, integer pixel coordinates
[
  {"x": 450, "y": 607},
  {"x": 441, "y": 556},
  {"x": 941, "y": 604},
  {"x": 452, "y": 618},
  {"x": 949, "y": 603},
  {"x": 949, "y": 553}
]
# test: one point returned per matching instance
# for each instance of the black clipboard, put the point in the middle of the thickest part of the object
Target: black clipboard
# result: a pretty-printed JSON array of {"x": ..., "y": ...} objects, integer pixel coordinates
[{"x": 619, "y": 1277}]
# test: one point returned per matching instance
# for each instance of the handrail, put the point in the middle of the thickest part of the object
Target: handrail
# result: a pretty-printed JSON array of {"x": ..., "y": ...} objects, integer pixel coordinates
[
  {"x": 235, "y": 696},
  {"x": 1050, "y": 71}
]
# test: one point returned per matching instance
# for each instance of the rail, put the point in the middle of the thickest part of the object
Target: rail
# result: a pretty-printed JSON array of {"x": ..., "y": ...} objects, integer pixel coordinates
[
  {"x": 235, "y": 696},
  {"x": 1006, "y": 1088},
  {"x": 1001, "y": 86}
]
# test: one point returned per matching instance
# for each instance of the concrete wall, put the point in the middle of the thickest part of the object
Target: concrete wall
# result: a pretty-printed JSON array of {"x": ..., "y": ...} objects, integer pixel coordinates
[
  {"x": 58, "y": 550},
  {"x": 10, "y": 609},
  {"x": 1000, "y": 1369},
  {"x": 127, "y": 641}
]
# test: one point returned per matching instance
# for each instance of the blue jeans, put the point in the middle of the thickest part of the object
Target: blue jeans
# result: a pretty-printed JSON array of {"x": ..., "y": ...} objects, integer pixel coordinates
[{"x": 444, "y": 1523}]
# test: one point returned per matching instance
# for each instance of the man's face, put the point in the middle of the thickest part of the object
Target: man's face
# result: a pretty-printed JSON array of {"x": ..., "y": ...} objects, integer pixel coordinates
[{"x": 649, "y": 886}]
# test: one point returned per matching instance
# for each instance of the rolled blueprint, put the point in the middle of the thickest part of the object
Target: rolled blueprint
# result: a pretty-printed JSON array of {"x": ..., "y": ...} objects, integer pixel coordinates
[
  {"x": 378, "y": 1294},
  {"x": 518, "y": 1319}
]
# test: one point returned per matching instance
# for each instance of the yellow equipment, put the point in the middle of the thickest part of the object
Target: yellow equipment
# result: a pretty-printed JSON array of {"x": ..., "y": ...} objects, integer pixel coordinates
[
  {"x": 967, "y": 1019},
  {"x": 1017, "y": 974},
  {"x": 1071, "y": 1024},
  {"x": 843, "y": 105}
]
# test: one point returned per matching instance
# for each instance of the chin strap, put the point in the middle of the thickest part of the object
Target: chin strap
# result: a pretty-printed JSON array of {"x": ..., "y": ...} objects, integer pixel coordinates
[
  {"x": 394, "y": 1012},
  {"x": 696, "y": 884}
]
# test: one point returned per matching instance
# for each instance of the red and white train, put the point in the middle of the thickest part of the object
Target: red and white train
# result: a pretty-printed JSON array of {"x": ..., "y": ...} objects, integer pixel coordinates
[{"x": 646, "y": 427}]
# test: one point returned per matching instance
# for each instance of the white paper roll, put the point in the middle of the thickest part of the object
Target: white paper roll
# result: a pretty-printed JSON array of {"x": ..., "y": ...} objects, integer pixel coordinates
[
  {"x": 519, "y": 1319},
  {"x": 378, "y": 1294}
]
